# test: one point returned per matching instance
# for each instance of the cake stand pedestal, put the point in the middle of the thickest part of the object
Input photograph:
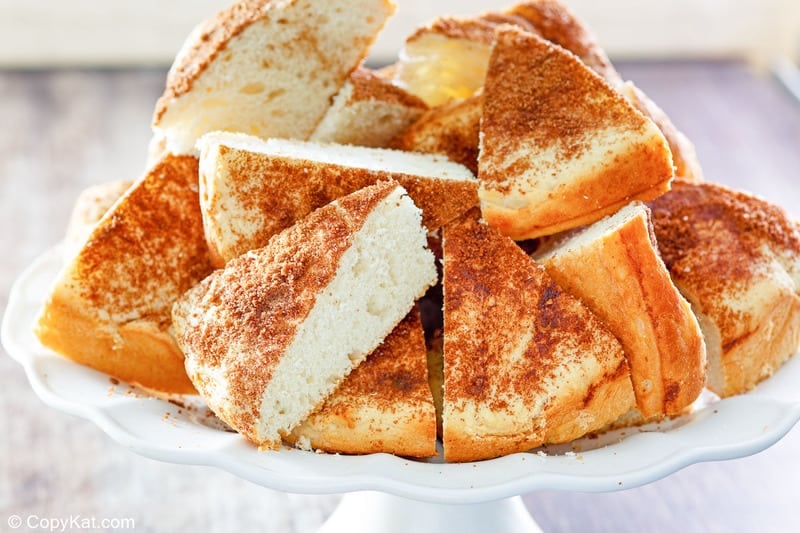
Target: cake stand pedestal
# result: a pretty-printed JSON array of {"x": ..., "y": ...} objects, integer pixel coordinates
[{"x": 377, "y": 512}]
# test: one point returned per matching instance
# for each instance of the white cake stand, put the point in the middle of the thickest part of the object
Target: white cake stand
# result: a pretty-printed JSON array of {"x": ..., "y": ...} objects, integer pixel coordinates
[{"x": 401, "y": 494}]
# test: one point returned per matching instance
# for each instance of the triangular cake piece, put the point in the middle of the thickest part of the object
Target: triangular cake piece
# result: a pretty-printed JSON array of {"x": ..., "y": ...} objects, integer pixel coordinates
[
  {"x": 265, "y": 67},
  {"x": 736, "y": 258},
  {"x": 110, "y": 307},
  {"x": 614, "y": 268},
  {"x": 269, "y": 337},
  {"x": 524, "y": 363},
  {"x": 368, "y": 111},
  {"x": 560, "y": 148},
  {"x": 384, "y": 406},
  {"x": 252, "y": 189}
]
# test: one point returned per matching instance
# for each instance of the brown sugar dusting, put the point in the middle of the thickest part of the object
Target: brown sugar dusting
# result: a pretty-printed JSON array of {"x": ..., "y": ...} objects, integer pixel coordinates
[
  {"x": 508, "y": 327},
  {"x": 713, "y": 239},
  {"x": 257, "y": 302},
  {"x": 253, "y": 195},
  {"x": 683, "y": 218},
  {"x": 542, "y": 95},
  {"x": 150, "y": 250},
  {"x": 281, "y": 191}
]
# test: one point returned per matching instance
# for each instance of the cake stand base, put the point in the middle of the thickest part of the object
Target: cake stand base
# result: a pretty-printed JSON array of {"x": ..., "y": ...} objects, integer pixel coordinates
[{"x": 376, "y": 512}]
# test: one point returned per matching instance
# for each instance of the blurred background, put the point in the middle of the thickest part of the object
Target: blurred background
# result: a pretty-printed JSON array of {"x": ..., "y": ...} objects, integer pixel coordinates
[
  {"x": 78, "y": 82},
  {"x": 148, "y": 32}
]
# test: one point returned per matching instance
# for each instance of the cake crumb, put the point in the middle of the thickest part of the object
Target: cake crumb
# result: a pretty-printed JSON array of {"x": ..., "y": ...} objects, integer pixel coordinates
[{"x": 303, "y": 443}]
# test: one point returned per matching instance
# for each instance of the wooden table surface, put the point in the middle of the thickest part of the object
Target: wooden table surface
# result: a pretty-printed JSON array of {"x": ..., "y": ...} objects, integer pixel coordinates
[{"x": 62, "y": 131}]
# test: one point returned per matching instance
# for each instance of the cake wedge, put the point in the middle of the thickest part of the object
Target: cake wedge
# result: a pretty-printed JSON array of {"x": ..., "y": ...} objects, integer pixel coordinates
[
  {"x": 251, "y": 189},
  {"x": 560, "y": 148},
  {"x": 524, "y": 363},
  {"x": 614, "y": 268},
  {"x": 110, "y": 306},
  {"x": 268, "y": 338},
  {"x": 736, "y": 259},
  {"x": 265, "y": 67},
  {"x": 446, "y": 60}
]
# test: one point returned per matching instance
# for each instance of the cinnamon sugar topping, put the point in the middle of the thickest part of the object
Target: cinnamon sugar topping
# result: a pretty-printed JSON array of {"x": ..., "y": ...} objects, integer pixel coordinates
[
  {"x": 142, "y": 252},
  {"x": 480, "y": 29},
  {"x": 693, "y": 213},
  {"x": 497, "y": 300},
  {"x": 539, "y": 92},
  {"x": 715, "y": 240},
  {"x": 259, "y": 299}
]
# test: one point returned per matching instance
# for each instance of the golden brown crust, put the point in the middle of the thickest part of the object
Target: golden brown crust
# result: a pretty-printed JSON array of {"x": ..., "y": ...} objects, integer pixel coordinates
[
  {"x": 719, "y": 246},
  {"x": 138, "y": 352},
  {"x": 261, "y": 298},
  {"x": 289, "y": 189},
  {"x": 566, "y": 101},
  {"x": 622, "y": 279},
  {"x": 773, "y": 338},
  {"x": 451, "y": 129},
  {"x": 584, "y": 204},
  {"x": 111, "y": 308},
  {"x": 383, "y": 406},
  {"x": 515, "y": 347},
  {"x": 369, "y": 85},
  {"x": 562, "y": 113},
  {"x": 209, "y": 39},
  {"x": 555, "y": 22},
  {"x": 460, "y": 447}
]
